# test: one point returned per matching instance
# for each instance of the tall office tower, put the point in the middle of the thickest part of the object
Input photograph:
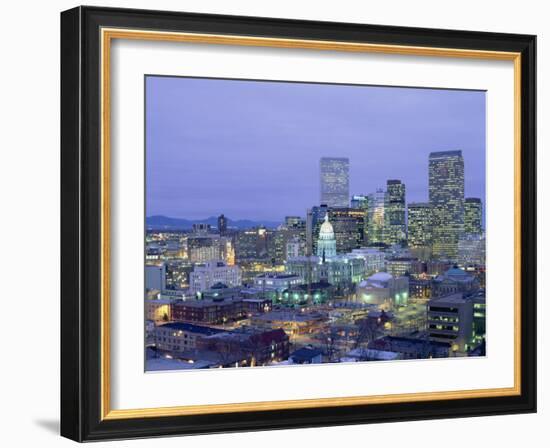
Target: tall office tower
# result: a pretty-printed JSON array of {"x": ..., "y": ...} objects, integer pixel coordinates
[
  {"x": 315, "y": 218},
  {"x": 361, "y": 202},
  {"x": 446, "y": 191},
  {"x": 419, "y": 235},
  {"x": 309, "y": 232},
  {"x": 349, "y": 228},
  {"x": 376, "y": 217},
  {"x": 335, "y": 181},
  {"x": 396, "y": 230},
  {"x": 294, "y": 222},
  {"x": 201, "y": 228},
  {"x": 222, "y": 224},
  {"x": 472, "y": 216},
  {"x": 252, "y": 244}
]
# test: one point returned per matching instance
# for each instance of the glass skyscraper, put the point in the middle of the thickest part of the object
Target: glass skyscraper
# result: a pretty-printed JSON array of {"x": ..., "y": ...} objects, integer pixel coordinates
[
  {"x": 395, "y": 212},
  {"x": 376, "y": 217},
  {"x": 335, "y": 181},
  {"x": 446, "y": 192},
  {"x": 473, "y": 216},
  {"x": 420, "y": 224}
]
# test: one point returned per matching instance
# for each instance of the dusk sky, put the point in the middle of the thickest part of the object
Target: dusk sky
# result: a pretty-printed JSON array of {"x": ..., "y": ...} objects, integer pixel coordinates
[{"x": 251, "y": 149}]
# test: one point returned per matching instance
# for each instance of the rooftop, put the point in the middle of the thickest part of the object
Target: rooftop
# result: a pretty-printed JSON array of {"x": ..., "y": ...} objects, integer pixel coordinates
[
  {"x": 442, "y": 154},
  {"x": 305, "y": 354},
  {"x": 277, "y": 276},
  {"x": 456, "y": 298},
  {"x": 181, "y": 326},
  {"x": 405, "y": 341},
  {"x": 380, "y": 277}
]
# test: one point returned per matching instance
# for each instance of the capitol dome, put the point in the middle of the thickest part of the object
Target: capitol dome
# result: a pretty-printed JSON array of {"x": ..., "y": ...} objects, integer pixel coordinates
[
  {"x": 326, "y": 243},
  {"x": 327, "y": 231}
]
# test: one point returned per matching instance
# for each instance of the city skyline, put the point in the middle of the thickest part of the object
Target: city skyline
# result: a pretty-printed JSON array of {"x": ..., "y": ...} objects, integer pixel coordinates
[
  {"x": 285, "y": 172},
  {"x": 347, "y": 277}
]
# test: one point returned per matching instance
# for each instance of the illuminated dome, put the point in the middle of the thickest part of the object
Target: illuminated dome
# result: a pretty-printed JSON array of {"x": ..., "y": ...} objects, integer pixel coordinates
[
  {"x": 326, "y": 232},
  {"x": 326, "y": 243}
]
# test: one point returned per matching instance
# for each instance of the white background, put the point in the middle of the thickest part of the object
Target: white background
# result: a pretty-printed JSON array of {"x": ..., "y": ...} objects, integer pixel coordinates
[{"x": 29, "y": 370}]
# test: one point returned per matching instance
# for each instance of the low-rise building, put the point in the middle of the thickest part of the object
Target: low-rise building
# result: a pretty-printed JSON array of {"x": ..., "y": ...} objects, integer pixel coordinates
[
  {"x": 210, "y": 273},
  {"x": 401, "y": 266},
  {"x": 178, "y": 336},
  {"x": 420, "y": 288},
  {"x": 314, "y": 293},
  {"x": 155, "y": 277},
  {"x": 208, "y": 311},
  {"x": 451, "y": 319},
  {"x": 277, "y": 281},
  {"x": 292, "y": 322},
  {"x": 471, "y": 249},
  {"x": 158, "y": 310},
  {"x": 341, "y": 271},
  {"x": 454, "y": 280},
  {"x": 375, "y": 259},
  {"x": 306, "y": 355},
  {"x": 248, "y": 347},
  {"x": 384, "y": 289},
  {"x": 411, "y": 348}
]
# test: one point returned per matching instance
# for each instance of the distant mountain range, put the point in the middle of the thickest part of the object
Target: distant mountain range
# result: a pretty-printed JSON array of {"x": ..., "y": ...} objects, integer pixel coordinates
[{"x": 165, "y": 222}]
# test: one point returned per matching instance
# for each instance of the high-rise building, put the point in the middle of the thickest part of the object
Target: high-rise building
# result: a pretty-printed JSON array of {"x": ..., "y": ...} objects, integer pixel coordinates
[
  {"x": 360, "y": 201},
  {"x": 252, "y": 244},
  {"x": 395, "y": 212},
  {"x": 446, "y": 191},
  {"x": 420, "y": 222},
  {"x": 315, "y": 217},
  {"x": 202, "y": 248},
  {"x": 295, "y": 247},
  {"x": 471, "y": 249},
  {"x": 293, "y": 222},
  {"x": 376, "y": 217},
  {"x": 349, "y": 228},
  {"x": 155, "y": 277},
  {"x": 326, "y": 243},
  {"x": 205, "y": 276},
  {"x": 473, "y": 216},
  {"x": 201, "y": 228},
  {"x": 222, "y": 224},
  {"x": 334, "y": 181}
]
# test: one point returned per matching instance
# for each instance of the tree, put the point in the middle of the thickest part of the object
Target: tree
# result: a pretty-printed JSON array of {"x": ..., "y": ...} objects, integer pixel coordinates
[
  {"x": 367, "y": 330},
  {"x": 330, "y": 339}
]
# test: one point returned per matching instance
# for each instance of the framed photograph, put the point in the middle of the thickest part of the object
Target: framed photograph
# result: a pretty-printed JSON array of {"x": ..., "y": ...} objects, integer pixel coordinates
[{"x": 273, "y": 223}]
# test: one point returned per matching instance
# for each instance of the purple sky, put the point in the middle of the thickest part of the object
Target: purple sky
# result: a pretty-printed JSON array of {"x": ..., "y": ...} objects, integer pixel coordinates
[{"x": 251, "y": 149}]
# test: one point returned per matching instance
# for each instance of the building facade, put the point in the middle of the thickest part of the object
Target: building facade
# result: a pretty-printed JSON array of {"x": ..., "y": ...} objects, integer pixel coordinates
[
  {"x": 375, "y": 259},
  {"x": 222, "y": 224},
  {"x": 376, "y": 220},
  {"x": 349, "y": 228},
  {"x": 334, "y": 181},
  {"x": 451, "y": 320},
  {"x": 178, "y": 336},
  {"x": 396, "y": 230},
  {"x": 155, "y": 277},
  {"x": 446, "y": 192},
  {"x": 473, "y": 216},
  {"x": 383, "y": 289},
  {"x": 207, "y": 275},
  {"x": 471, "y": 249},
  {"x": 420, "y": 225}
]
